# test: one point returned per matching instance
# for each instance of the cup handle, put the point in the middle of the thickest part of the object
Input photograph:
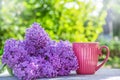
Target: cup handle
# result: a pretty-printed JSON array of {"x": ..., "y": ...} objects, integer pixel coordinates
[{"x": 105, "y": 60}]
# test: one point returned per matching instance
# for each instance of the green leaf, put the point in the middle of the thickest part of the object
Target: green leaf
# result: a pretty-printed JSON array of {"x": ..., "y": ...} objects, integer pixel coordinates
[
  {"x": 2, "y": 67},
  {"x": 10, "y": 71}
]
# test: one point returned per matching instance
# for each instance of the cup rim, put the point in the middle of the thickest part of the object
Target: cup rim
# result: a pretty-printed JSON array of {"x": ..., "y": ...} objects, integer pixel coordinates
[{"x": 85, "y": 42}]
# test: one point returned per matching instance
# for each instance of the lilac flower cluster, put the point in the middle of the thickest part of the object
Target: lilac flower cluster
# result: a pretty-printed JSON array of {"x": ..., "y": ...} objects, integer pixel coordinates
[{"x": 38, "y": 56}]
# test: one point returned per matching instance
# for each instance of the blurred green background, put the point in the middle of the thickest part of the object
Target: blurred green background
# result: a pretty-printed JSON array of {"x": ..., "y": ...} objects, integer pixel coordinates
[{"x": 73, "y": 20}]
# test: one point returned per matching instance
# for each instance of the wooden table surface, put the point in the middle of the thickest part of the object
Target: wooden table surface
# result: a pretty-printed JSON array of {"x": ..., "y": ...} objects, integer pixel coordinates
[{"x": 102, "y": 74}]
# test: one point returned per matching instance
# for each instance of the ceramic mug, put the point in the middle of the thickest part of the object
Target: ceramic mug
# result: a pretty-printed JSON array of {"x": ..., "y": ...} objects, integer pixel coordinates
[{"x": 87, "y": 55}]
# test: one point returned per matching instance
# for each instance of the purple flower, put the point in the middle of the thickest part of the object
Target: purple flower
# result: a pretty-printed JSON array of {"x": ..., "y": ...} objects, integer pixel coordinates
[
  {"x": 14, "y": 52},
  {"x": 67, "y": 57},
  {"x": 31, "y": 69},
  {"x": 36, "y": 36},
  {"x": 48, "y": 70},
  {"x": 38, "y": 56}
]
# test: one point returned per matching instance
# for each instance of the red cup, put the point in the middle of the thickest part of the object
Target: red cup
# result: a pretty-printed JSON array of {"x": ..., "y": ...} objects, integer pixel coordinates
[{"x": 87, "y": 55}]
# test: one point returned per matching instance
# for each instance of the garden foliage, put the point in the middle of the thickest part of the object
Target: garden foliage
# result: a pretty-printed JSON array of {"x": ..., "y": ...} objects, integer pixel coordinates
[{"x": 72, "y": 20}]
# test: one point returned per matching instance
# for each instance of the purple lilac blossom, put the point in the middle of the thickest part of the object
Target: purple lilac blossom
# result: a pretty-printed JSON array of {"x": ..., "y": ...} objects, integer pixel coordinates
[
  {"x": 38, "y": 56},
  {"x": 36, "y": 36},
  {"x": 67, "y": 58},
  {"x": 14, "y": 52},
  {"x": 61, "y": 55},
  {"x": 31, "y": 69}
]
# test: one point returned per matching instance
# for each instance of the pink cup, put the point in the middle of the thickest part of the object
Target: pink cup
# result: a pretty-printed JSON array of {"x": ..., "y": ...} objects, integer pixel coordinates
[{"x": 87, "y": 55}]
